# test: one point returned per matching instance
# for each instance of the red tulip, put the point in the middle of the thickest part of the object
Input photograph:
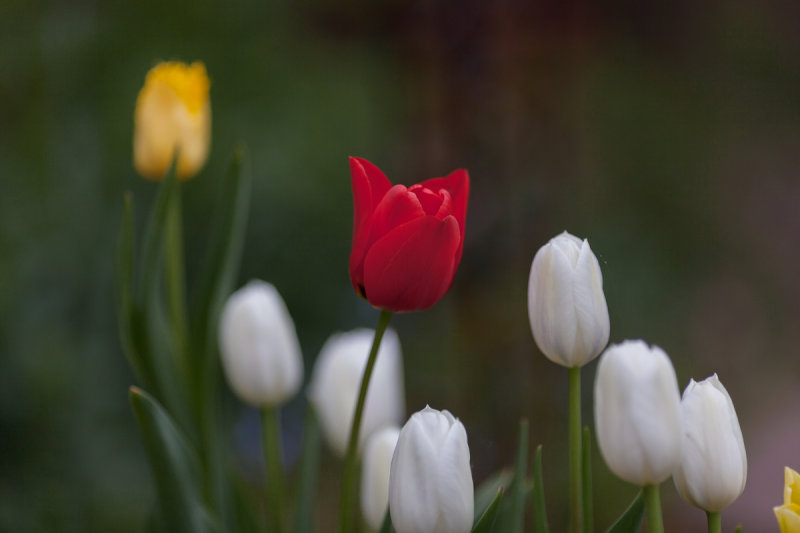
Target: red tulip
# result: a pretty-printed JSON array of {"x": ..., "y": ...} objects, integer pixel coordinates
[{"x": 407, "y": 242}]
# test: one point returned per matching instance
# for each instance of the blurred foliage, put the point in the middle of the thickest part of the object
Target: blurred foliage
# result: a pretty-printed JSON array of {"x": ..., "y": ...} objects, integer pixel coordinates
[{"x": 667, "y": 135}]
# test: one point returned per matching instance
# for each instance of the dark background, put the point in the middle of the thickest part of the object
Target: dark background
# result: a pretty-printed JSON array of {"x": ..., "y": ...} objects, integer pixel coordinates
[{"x": 667, "y": 135}]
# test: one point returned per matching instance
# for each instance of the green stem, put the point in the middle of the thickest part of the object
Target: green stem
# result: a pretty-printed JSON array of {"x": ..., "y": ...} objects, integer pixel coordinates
[
  {"x": 348, "y": 479},
  {"x": 175, "y": 283},
  {"x": 714, "y": 522},
  {"x": 655, "y": 523},
  {"x": 575, "y": 437},
  {"x": 271, "y": 438}
]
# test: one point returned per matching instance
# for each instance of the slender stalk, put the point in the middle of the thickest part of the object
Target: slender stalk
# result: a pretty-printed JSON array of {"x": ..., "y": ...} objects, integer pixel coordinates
[
  {"x": 271, "y": 438},
  {"x": 714, "y": 522},
  {"x": 575, "y": 437},
  {"x": 348, "y": 479},
  {"x": 655, "y": 523},
  {"x": 175, "y": 282}
]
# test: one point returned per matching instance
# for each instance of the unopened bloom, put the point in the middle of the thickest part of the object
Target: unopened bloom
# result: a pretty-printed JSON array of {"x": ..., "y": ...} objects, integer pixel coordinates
[
  {"x": 375, "y": 468},
  {"x": 430, "y": 485},
  {"x": 173, "y": 116},
  {"x": 713, "y": 467},
  {"x": 259, "y": 347},
  {"x": 788, "y": 514},
  {"x": 407, "y": 242},
  {"x": 637, "y": 412},
  {"x": 566, "y": 304},
  {"x": 336, "y": 379}
]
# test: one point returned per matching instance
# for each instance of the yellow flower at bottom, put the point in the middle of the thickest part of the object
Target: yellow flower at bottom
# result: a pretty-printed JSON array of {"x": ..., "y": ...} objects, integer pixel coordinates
[
  {"x": 788, "y": 514},
  {"x": 172, "y": 114}
]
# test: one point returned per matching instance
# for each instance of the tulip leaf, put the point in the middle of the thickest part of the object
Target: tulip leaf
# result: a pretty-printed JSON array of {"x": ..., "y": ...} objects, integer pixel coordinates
[
  {"x": 586, "y": 488},
  {"x": 123, "y": 262},
  {"x": 222, "y": 261},
  {"x": 738, "y": 529},
  {"x": 631, "y": 520},
  {"x": 486, "y": 522},
  {"x": 387, "y": 526},
  {"x": 309, "y": 472},
  {"x": 174, "y": 466},
  {"x": 520, "y": 480},
  {"x": 539, "y": 508},
  {"x": 487, "y": 490},
  {"x": 154, "y": 238}
]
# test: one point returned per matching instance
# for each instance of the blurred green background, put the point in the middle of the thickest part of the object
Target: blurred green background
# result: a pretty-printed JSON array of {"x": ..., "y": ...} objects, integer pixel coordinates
[{"x": 667, "y": 135}]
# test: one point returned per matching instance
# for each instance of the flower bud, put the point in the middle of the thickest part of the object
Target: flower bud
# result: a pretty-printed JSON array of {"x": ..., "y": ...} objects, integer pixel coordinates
[
  {"x": 259, "y": 347},
  {"x": 713, "y": 467},
  {"x": 375, "y": 467},
  {"x": 566, "y": 304},
  {"x": 430, "y": 485},
  {"x": 172, "y": 115},
  {"x": 788, "y": 514},
  {"x": 336, "y": 380},
  {"x": 637, "y": 412}
]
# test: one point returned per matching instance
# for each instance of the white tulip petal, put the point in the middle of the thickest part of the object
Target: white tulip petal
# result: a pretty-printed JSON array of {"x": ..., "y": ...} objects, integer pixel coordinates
[
  {"x": 566, "y": 305},
  {"x": 336, "y": 380},
  {"x": 259, "y": 347},
  {"x": 637, "y": 413},
  {"x": 713, "y": 467},
  {"x": 430, "y": 484}
]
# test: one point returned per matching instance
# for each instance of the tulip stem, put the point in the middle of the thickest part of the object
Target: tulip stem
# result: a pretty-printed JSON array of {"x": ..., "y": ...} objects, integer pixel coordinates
[
  {"x": 175, "y": 283},
  {"x": 271, "y": 439},
  {"x": 714, "y": 522},
  {"x": 575, "y": 437},
  {"x": 348, "y": 479},
  {"x": 655, "y": 523}
]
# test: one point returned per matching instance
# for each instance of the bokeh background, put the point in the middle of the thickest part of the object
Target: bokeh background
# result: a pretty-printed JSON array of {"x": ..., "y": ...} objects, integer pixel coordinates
[{"x": 669, "y": 135}]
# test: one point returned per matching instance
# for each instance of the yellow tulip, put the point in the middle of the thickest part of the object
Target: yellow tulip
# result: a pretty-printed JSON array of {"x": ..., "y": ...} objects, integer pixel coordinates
[
  {"x": 173, "y": 114},
  {"x": 788, "y": 514}
]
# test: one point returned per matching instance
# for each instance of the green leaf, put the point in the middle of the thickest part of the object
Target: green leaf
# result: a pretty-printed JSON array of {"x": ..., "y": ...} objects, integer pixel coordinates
[
  {"x": 520, "y": 480},
  {"x": 221, "y": 265},
  {"x": 738, "y": 529},
  {"x": 154, "y": 239},
  {"x": 387, "y": 526},
  {"x": 487, "y": 491},
  {"x": 631, "y": 520},
  {"x": 586, "y": 488},
  {"x": 486, "y": 522},
  {"x": 174, "y": 466},
  {"x": 123, "y": 264},
  {"x": 539, "y": 508},
  {"x": 309, "y": 472}
]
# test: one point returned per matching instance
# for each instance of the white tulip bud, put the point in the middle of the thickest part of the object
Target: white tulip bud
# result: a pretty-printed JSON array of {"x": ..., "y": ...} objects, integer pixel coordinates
[
  {"x": 259, "y": 347},
  {"x": 566, "y": 304},
  {"x": 375, "y": 468},
  {"x": 637, "y": 413},
  {"x": 430, "y": 485},
  {"x": 336, "y": 380},
  {"x": 713, "y": 466}
]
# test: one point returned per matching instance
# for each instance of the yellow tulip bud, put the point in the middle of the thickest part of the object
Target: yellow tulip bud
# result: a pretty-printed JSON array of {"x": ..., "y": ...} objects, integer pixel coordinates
[
  {"x": 173, "y": 114},
  {"x": 788, "y": 514}
]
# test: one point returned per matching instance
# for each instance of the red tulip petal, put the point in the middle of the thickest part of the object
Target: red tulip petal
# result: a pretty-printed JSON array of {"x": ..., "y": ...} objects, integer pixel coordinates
[
  {"x": 457, "y": 182},
  {"x": 369, "y": 186},
  {"x": 412, "y": 266},
  {"x": 396, "y": 208},
  {"x": 430, "y": 200}
]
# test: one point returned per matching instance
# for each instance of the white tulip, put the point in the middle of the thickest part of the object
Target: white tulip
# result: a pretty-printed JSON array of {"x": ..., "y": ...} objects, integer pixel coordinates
[
  {"x": 259, "y": 347},
  {"x": 637, "y": 412},
  {"x": 713, "y": 467},
  {"x": 430, "y": 485},
  {"x": 375, "y": 468},
  {"x": 566, "y": 304},
  {"x": 336, "y": 380}
]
